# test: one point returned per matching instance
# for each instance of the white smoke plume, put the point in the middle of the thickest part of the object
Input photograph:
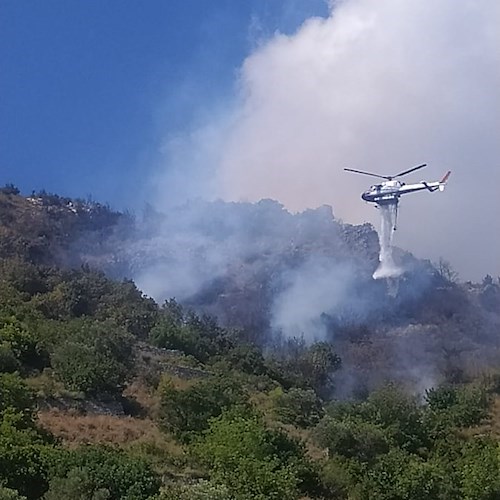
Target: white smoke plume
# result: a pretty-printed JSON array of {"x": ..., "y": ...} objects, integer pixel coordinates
[
  {"x": 380, "y": 86},
  {"x": 318, "y": 286}
]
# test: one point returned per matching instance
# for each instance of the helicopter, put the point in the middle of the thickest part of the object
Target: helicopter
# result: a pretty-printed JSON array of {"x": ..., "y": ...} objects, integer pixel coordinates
[{"x": 387, "y": 193}]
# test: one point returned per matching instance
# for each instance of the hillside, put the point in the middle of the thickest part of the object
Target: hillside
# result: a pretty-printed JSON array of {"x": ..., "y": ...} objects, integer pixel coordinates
[
  {"x": 45, "y": 228},
  {"x": 275, "y": 276},
  {"x": 282, "y": 370}
]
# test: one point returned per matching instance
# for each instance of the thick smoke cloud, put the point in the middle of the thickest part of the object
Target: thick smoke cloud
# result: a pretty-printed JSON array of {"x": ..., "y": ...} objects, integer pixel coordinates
[{"x": 380, "y": 86}]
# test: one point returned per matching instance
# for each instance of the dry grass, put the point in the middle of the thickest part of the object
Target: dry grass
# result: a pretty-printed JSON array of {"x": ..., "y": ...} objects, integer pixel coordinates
[
  {"x": 491, "y": 426},
  {"x": 139, "y": 437},
  {"x": 75, "y": 429},
  {"x": 46, "y": 386},
  {"x": 178, "y": 382},
  {"x": 147, "y": 398}
]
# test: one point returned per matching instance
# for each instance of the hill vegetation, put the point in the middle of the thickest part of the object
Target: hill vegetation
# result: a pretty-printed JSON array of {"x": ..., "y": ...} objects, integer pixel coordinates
[{"x": 107, "y": 394}]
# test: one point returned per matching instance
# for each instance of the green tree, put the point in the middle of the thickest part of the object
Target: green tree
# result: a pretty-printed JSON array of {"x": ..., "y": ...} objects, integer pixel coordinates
[
  {"x": 399, "y": 475},
  {"x": 77, "y": 485},
  {"x": 200, "y": 490},
  {"x": 16, "y": 396},
  {"x": 19, "y": 343},
  {"x": 8, "y": 361},
  {"x": 10, "y": 190},
  {"x": 479, "y": 468},
  {"x": 10, "y": 494},
  {"x": 305, "y": 366},
  {"x": 200, "y": 337},
  {"x": 300, "y": 407},
  {"x": 452, "y": 407},
  {"x": 187, "y": 412},
  {"x": 400, "y": 414},
  {"x": 102, "y": 472},
  {"x": 351, "y": 438},
  {"x": 97, "y": 357},
  {"x": 245, "y": 358},
  {"x": 23, "y": 455},
  {"x": 248, "y": 459}
]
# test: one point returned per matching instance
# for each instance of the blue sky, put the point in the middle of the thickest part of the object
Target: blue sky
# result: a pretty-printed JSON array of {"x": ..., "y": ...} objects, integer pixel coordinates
[{"x": 90, "y": 88}]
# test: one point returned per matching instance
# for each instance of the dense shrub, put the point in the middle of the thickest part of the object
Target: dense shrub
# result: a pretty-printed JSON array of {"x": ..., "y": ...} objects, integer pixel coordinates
[
  {"x": 186, "y": 412},
  {"x": 352, "y": 438},
  {"x": 197, "y": 336},
  {"x": 21, "y": 344},
  {"x": 249, "y": 460},
  {"x": 102, "y": 472},
  {"x": 459, "y": 406},
  {"x": 97, "y": 357},
  {"x": 300, "y": 407}
]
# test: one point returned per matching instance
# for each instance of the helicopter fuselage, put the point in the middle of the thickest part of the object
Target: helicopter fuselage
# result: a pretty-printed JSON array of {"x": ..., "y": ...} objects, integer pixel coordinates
[
  {"x": 383, "y": 193},
  {"x": 389, "y": 192}
]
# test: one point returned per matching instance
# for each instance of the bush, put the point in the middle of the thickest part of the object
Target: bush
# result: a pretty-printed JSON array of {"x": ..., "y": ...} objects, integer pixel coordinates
[
  {"x": 187, "y": 412},
  {"x": 101, "y": 471},
  {"x": 201, "y": 490},
  {"x": 19, "y": 343},
  {"x": 300, "y": 407},
  {"x": 449, "y": 406},
  {"x": 9, "y": 494},
  {"x": 15, "y": 395},
  {"x": 23, "y": 456},
  {"x": 200, "y": 337},
  {"x": 96, "y": 358},
  {"x": 77, "y": 485},
  {"x": 250, "y": 460},
  {"x": 351, "y": 438}
]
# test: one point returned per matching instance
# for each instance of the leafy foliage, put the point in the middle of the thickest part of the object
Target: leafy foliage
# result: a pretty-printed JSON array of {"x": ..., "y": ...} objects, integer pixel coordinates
[
  {"x": 300, "y": 407},
  {"x": 200, "y": 337},
  {"x": 96, "y": 357},
  {"x": 186, "y": 412},
  {"x": 251, "y": 461},
  {"x": 307, "y": 366},
  {"x": 15, "y": 396},
  {"x": 450, "y": 407},
  {"x": 101, "y": 474},
  {"x": 352, "y": 438},
  {"x": 200, "y": 490},
  {"x": 20, "y": 347},
  {"x": 22, "y": 457}
]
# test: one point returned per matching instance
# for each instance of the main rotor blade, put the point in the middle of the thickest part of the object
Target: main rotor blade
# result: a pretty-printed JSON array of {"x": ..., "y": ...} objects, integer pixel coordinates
[
  {"x": 409, "y": 171},
  {"x": 365, "y": 173}
]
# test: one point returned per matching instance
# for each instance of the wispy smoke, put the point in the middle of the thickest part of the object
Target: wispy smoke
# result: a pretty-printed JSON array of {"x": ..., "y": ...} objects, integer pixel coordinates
[
  {"x": 250, "y": 263},
  {"x": 317, "y": 287},
  {"x": 379, "y": 86}
]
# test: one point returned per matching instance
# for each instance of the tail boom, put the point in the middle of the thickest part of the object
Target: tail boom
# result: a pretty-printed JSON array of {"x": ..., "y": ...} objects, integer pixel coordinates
[{"x": 442, "y": 182}]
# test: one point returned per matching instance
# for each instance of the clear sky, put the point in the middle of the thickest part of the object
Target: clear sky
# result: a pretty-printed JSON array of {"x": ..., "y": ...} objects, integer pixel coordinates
[{"x": 90, "y": 88}]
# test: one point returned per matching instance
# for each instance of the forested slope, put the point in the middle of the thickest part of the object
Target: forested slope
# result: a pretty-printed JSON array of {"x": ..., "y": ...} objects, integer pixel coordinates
[{"x": 105, "y": 393}]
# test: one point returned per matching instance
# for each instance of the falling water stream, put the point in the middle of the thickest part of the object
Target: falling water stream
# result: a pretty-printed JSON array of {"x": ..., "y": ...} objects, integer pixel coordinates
[{"x": 387, "y": 268}]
